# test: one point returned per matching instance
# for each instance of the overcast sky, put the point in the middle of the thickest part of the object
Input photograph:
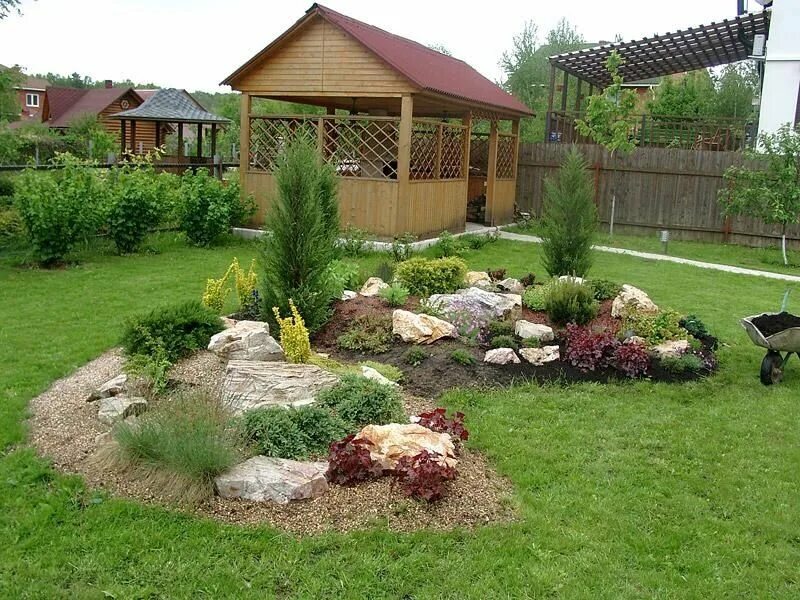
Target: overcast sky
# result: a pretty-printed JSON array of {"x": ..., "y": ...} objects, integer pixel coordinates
[{"x": 194, "y": 44}]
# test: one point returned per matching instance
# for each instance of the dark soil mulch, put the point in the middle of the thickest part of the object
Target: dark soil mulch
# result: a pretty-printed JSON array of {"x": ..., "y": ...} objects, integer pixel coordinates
[
  {"x": 439, "y": 372},
  {"x": 771, "y": 324}
]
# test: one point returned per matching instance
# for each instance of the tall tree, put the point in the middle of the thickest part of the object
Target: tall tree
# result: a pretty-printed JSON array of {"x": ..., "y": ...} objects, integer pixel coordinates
[
  {"x": 9, "y": 102},
  {"x": 693, "y": 95},
  {"x": 735, "y": 88},
  {"x": 8, "y": 6}
]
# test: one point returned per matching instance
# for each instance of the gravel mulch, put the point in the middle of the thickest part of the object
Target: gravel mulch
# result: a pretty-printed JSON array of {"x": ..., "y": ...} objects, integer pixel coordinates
[{"x": 64, "y": 428}]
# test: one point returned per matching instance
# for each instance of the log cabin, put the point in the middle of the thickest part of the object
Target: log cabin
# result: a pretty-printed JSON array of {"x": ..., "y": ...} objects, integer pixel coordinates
[{"x": 399, "y": 123}]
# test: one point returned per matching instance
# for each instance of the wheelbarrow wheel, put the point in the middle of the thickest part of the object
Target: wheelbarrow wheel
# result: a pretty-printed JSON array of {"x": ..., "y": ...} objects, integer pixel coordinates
[{"x": 772, "y": 368}]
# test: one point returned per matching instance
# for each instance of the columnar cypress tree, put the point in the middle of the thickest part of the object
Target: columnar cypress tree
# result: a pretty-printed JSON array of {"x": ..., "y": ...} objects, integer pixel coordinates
[
  {"x": 299, "y": 244},
  {"x": 569, "y": 220}
]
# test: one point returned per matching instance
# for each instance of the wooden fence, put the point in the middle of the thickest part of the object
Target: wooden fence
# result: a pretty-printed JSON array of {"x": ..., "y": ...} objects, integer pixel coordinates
[{"x": 656, "y": 188}]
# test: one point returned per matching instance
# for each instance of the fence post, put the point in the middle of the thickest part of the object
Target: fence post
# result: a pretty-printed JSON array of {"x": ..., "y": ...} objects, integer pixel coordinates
[{"x": 597, "y": 183}]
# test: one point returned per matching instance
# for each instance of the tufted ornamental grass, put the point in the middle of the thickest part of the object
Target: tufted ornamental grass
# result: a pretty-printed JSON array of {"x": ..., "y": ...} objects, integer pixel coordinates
[{"x": 177, "y": 448}]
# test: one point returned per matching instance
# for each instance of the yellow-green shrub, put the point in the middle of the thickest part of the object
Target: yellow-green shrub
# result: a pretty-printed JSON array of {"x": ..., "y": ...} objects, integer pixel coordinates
[
  {"x": 294, "y": 335},
  {"x": 425, "y": 276}
]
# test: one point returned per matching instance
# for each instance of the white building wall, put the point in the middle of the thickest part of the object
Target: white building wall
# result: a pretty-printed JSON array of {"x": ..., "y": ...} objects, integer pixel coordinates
[{"x": 782, "y": 69}]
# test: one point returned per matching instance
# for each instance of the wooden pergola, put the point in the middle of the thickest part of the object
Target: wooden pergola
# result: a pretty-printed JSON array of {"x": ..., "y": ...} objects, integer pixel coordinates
[
  {"x": 396, "y": 121},
  {"x": 660, "y": 55},
  {"x": 170, "y": 106}
]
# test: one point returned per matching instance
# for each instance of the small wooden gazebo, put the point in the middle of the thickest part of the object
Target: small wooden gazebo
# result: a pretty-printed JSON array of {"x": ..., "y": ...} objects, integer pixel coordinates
[
  {"x": 169, "y": 106},
  {"x": 398, "y": 124}
]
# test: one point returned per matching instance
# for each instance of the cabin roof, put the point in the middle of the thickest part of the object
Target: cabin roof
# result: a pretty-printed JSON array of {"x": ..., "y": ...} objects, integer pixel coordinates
[
  {"x": 65, "y": 104},
  {"x": 425, "y": 68}
]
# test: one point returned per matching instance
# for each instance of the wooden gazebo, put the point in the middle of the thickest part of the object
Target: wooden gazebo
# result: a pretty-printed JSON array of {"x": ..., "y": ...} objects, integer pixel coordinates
[{"x": 398, "y": 124}]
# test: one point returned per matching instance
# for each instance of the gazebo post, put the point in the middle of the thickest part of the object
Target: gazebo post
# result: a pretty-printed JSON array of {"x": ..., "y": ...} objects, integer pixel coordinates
[
  {"x": 123, "y": 134},
  {"x": 158, "y": 134},
  {"x": 404, "y": 160},
  {"x": 133, "y": 137},
  {"x": 244, "y": 137},
  {"x": 467, "y": 122},
  {"x": 180, "y": 139},
  {"x": 491, "y": 172},
  {"x": 564, "y": 88},
  {"x": 199, "y": 140},
  {"x": 578, "y": 95},
  {"x": 214, "y": 149}
]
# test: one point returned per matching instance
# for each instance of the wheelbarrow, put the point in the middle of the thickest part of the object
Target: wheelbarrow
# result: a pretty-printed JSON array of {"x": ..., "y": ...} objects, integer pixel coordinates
[{"x": 787, "y": 341}]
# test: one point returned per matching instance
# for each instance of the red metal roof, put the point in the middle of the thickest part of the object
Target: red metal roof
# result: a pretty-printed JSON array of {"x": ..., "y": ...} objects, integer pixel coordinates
[
  {"x": 428, "y": 69},
  {"x": 65, "y": 104}
]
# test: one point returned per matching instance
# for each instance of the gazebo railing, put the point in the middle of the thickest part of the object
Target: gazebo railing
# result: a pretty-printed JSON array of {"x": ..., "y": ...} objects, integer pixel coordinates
[{"x": 437, "y": 150}]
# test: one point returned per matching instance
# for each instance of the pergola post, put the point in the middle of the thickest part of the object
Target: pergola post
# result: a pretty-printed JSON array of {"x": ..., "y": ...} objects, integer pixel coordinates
[
  {"x": 213, "y": 140},
  {"x": 491, "y": 173},
  {"x": 578, "y": 95},
  {"x": 244, "y": 135},
  {"x": 564, "y": 88},
  {"x": 404, "y": 158},
  {"x": 180, "y": 139},
  {"x": 199, "y": 140},
  {"x": 550, "y": 96}
]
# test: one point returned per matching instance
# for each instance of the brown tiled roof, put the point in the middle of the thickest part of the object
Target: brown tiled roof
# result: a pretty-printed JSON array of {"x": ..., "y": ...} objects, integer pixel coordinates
[{"x": 65, "y": 104}]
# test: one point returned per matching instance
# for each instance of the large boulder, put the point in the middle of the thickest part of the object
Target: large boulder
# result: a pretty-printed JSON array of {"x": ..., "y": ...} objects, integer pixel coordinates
[
  {"x": 511, "y": 285},
  {"x": 501, "y": 356},
  {"x": 670, "y": 349},
  {"x": 113, "y": 409},
  {"x": 112, "y": 387},
  {"x": 348, "y": 295},
  {"x": 526, "y": 330},
  {"x": 246, "y": 340},
  {"x": 249, "y": 384},
  {"x": 420, "y": 329},
  {"x": 374, "y": 375},
  {"x": 479, "y": 303},
  {"x": 540, "y": 356},
  {"x": 373, "y": 286},
  {"x": 479, "y": 279},
  {"x": 265, "y": 479},
  {"x": 632, "y": 299},
  {"x": 392, "y": 442}
]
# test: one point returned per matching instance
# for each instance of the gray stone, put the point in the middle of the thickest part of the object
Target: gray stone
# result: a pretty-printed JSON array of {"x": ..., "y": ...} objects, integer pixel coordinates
[
  {"x": 501, "y": 356},
  {"x": 572, "y": 278},
  {"x": 670, "y": 349},
  {"x": 112, "y": 387},
  {"x": 246, "y": 340},
  {"x": 375, "y": 375},
  {"x": 420, "y": 329},
  {"x": 348, "y": 295},
  {"x": 526, "y": 329},
  {"x": 479, "y": 303},
  {"x": 266, "y": 479},
  {"x": 117, "y": 408},
  {"x": 249, "y": 384},
  {"x": 478, "y": 279},
  {"x": 632, "y": 299},
  {"x": 540, "y": 356},
  {"x": 511, "y": 285},
  {"x": 373, "y": 286}
]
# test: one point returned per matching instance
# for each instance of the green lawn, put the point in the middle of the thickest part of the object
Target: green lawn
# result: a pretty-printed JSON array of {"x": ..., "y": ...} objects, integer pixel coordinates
[
  {"x": 764, "y": 259},
  {"x": 624, "y": 491}
]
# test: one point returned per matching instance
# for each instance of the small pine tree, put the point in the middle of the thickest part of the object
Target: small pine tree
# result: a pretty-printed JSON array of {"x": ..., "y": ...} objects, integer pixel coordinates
[
  {"x": 569, "y": 220},
  {"x": 298, "y": 246}
]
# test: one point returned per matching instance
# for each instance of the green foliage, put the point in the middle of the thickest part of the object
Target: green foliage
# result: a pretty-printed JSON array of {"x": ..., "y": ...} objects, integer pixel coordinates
[
  {"x": 9, "y": 78},
  {"x": 401, "y": 247},
  {"x": 694, "y": 326},
  {"x": 500, "y": 328},
  {"x": 415, "y": 356},
  {"x": 474, "y": 241},
  {"x": 297, "y": 250},
  {"x": 186, "y": 441},
  {"x": 370, "y": 333},
  {"x": 360, "y": 401},
  {"x": 569, "y": 220},
  {"x": 531, "y": 342},
  {"x": 570, "y": 302},
  {"x": 504, "y": 341},
  {"x": 604, "y": 289},
  {"x": 770, "y": 191},
  {"x": 609, "y": 116},
  {"x": 60, "y": 208},
  {"x": 88, "y": 138},
  {"x": 343, "y": 275},
  {"x": 297, "y": 433},
  {"x": 293, "y": 335},
  {"x": 391, "y": 372},
  {"x": 153, "y": 368},
  {"x": 685, "y": 363},
  {"x": 6, "y": 187},
  {"x": 179, "y": 330},
  {"x": 690, "y": 96},
  {"x": 654, "y": 328},
  {"x": 353, "y": 242},
  {"x": 425, "y": 276},
  {"x": 385, "y": 271},
  {"x": 208, "y": 207},
  {"x": 462, "y": 357},
  {"x": 433, "y": 309},
  {"x": 447, "y": 245},
  {"x": 12, "y": 228},
  {"x": 394, "y": 295},
  {"x": 534, "y": 297}
]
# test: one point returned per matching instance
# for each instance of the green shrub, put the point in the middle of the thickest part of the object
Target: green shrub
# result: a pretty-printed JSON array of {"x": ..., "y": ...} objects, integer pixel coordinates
[
  {"x": 447, "y": 245},
  {"x": 694, "y": 326},
  {"x": 385, "y": 271},
  {"x": 570, "y": 302},
  {"x": 208, "y": 208},
  {"x": 534, "y": 297},
  {"x": 500, "y": 328},
  {"x": 298, "y": 248},
  {"x": 433, "y": 309},
  {"x": 531, "y": 342},
  {"x": 180, "y": 446},
  {"x": 394, "y": 295},
  {"x": 424, "y": 276},
  {"x": 686, "y": 363},
  {"x": 368, "y": 333},
  {"x": 135, "y": 206},
  {"x": 11, "y": 226},
  {"x": 391, "y": 372},
  {"x": 152, "y": 368},
  {"x": 474, "y": 241},
  {"x": 360, "y": 401},
  {"x": 462, "y": 357},
  {"x": 569, "y": 219},
  {"x": 415, "y": 356},
  {"x": 296, "y": 434},
  {"x": 353, "y": 242},
  {"x": 401, "y": 247},
  {"x": 343, "y": 275},
  {"x": 6, "y": 187},
  {"x": 604, "y": 289},
  {"x": 61, "y": 207},
  {"x": 654, "y": 328},
  {"x": 504, "y": 341},
  {"x": 179, "y": 330}
]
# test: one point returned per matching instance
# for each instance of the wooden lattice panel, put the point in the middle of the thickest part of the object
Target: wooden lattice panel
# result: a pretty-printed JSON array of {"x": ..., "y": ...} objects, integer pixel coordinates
[
  {"x": 423, "y": 150},
  {"x": 452, "y": 154},
  {"x": 270, "y": 135},
  {"x": 437, "y": 150},
  {"x": 479, "y": 153},
  {"x": 506, "y": 153},
  {"x": 362, "y": 147}
]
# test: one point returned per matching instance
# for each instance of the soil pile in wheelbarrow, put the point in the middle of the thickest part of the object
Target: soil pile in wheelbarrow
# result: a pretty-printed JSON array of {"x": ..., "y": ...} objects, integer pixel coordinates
[{"x": 771, "y": 324}]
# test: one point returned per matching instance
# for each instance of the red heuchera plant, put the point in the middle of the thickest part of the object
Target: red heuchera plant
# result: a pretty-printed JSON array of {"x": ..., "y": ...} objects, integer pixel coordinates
[
  {"x": 589, "y": 350},
  {"x": 422, "y": 476},
  {"x": 436, "y": 420},
  {"x": 632, "y": 359},
  {"x": 349, "y": 462}
]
